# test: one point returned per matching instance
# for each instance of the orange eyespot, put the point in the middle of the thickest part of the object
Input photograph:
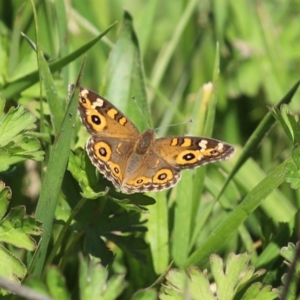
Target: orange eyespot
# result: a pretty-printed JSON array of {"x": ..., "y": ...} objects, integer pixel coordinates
[
  {"x": 102, "y": 151},
  {"x": 163, "y": 176}
]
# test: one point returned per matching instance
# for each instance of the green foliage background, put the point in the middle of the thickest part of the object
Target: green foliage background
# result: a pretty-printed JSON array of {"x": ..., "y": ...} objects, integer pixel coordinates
[{"x": 162, "y": 52}]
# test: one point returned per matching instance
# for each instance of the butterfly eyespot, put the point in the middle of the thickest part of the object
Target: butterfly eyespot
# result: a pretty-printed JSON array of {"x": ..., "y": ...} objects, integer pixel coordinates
[
  {"x": 115, "y": 170},
  {"x": 139, "y": 181},
  {"x": 162, "y": 176},
  {"x": 214, "y": 152},
  {"x": 83, "y": 100},
  {"x": 96, "y": 120},
  {"x": 102, "y": 151},
  {"x": 188, "y": 156}
]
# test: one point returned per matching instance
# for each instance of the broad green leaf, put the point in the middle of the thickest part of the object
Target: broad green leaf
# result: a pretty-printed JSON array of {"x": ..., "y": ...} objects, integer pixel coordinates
[{"x": 126, "y": 76}]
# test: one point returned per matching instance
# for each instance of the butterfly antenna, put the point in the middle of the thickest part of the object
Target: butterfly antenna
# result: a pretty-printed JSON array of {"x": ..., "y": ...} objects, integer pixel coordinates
[
  {"x": 139, "y": 108},
  {"x": 175, "y": 124}
]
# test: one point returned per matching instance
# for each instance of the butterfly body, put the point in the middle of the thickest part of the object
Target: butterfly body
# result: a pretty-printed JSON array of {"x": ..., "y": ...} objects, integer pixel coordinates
[{"x": 138, "y": 162}]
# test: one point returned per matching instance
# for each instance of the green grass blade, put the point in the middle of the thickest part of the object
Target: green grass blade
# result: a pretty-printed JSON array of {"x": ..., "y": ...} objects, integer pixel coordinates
[
  {"x": 158, "y": 232},
  {"x": 161, "y": 64},
  {"x": 257, "y": 136},
  {"x": 228, "y": 227},
  {"x": 53, "y": 180},
  {"x": 55, "y": 169},
  {"x": 13, "y": 88},
  {"x": 126, "y": 77}
]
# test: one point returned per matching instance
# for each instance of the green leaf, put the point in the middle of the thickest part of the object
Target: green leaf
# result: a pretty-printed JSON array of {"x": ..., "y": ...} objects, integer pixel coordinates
[
  {"x": 15, "y": 87},
  {"x": 15, "y": 122},
  {"x": 259, "y": 292},
  {"x": 149, "y": 294},
  {"x": 94, "y": 283},
  {"x": 5, "y": 196},
  {"x": 84, "y": 174},
  {"x": 15, "y": 229},
  {"x": 258, "y": 134},
  {"x": 10, "y": 266},
  {"x": 193, "y": 283},
  {"x": 16, "y": 145},
  {"x": 292, "y": 175},
  {"x": 226, "y": 228},
  {"x": 289, "y": 122},
  {"x": 291, "y": 256},
  {"x": 126, "y": 77},
  {"x": 56, "y": 284},
  {"x": 227, "y": 281},
  {"x": 230, "y": 281}
]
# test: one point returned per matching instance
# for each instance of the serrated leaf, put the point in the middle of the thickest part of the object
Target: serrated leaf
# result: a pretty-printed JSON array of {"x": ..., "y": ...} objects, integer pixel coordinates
[
  {"x": 292, "y": 169},
  {"x": 16, "y": 121},
  {"x": 199, "y": 285},
  {"x": 94, "y": 245},
  {"x": 94, "y": 283},
  {"x": 288, "y": 121},
  {"x": 10, "y": 266},
  {"x": 15, "y": 229},
  {"x": 227, "y": 281},
  {"x": 78, "y": 169},
  {"x": 194, "y": 283},
  {"x": 257, "y": 292},
  {"x": 56, "y": 284},
  {"x": 127, "y": 205},
  {"x": 15, "y": 146},
  {"x": 289, "y": 252}
]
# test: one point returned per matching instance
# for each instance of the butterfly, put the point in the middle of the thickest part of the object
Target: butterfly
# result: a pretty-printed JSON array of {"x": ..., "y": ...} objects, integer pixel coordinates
[{"x": 137, "y": 162}]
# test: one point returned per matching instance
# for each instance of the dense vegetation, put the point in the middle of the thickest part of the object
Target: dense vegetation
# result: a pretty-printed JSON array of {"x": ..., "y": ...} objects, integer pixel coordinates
[{"x": 64, "y": 234}]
